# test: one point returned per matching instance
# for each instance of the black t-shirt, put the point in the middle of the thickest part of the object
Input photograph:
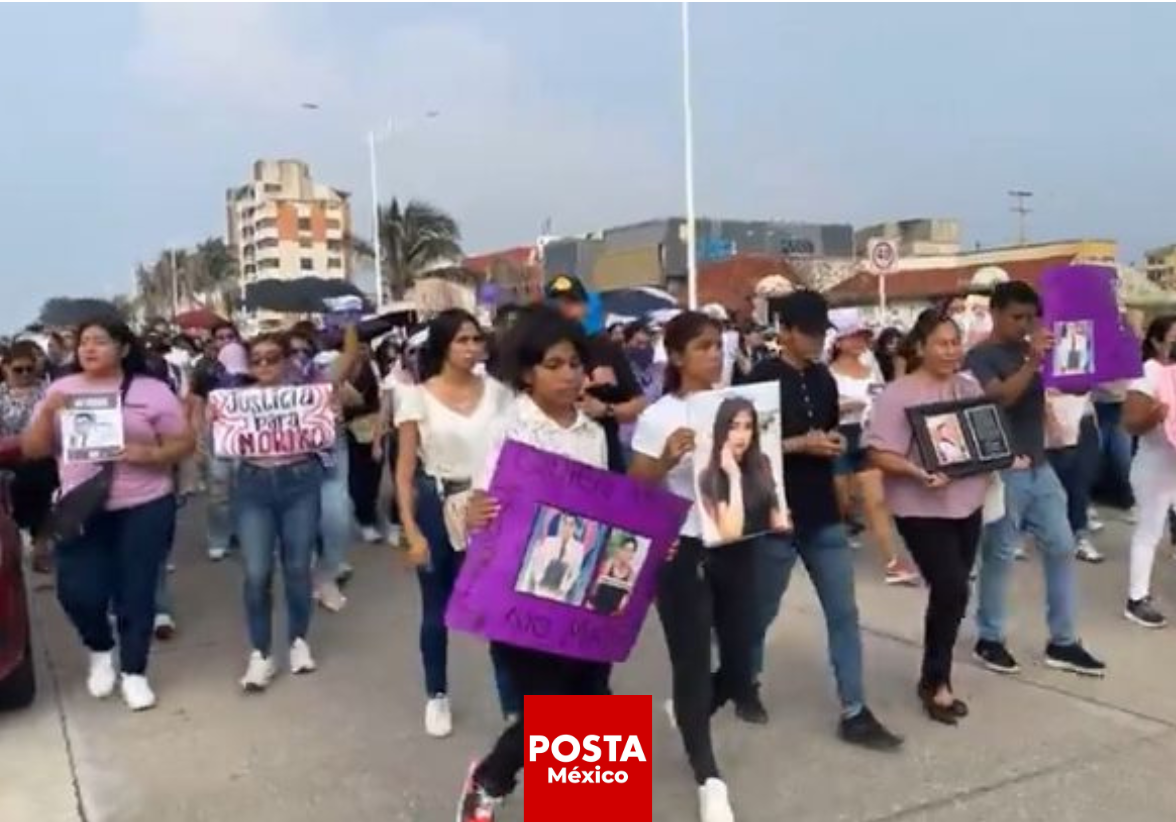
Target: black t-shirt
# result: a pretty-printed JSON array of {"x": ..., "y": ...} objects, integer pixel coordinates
[
  {"x": 604, "y": 353},
  {"x": 808, "y": 402}
]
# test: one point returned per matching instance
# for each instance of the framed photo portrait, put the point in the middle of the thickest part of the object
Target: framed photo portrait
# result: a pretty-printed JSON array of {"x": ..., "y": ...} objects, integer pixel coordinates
[{"x": 962, "y": 437}]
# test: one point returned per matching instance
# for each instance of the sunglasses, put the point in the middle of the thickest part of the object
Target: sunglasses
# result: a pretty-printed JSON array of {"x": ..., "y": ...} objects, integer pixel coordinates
[{"x": 272, "y": 359}]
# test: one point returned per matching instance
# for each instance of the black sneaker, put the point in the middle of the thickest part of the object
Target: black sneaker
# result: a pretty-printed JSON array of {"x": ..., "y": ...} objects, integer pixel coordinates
[
  {"x": 476, "y": 804},
  {"x": 1075, "y": 659},
  {"x": 865, "y": 730},
  {"x": 995, "y": 657},
  {"x": 752, "y": 710},
  {"x": 1142, "y": 612}
]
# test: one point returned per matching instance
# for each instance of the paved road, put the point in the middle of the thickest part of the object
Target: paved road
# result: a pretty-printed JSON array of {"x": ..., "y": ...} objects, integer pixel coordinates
[{"x": 348, "y": 743}]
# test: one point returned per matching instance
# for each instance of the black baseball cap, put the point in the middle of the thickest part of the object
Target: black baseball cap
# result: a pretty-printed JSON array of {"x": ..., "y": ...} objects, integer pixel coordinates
[
  {"x": 806, "y": 311},
  {"x": 567, "y": 287}
]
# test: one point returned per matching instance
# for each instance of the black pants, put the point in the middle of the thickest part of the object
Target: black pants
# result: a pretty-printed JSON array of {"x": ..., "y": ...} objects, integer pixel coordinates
[
  {"x": 944, "y": 550},
  {"x": 700, "y": 591},
  {"x": 363, "y": 480},
  {"x": 33, "y": 484},
  {"x": 533, "y": 673}
]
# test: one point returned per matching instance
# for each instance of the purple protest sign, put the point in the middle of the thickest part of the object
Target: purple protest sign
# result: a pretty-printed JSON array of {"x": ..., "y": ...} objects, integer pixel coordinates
[
  {"x": 570, "y": 564},
  {"x": 1092, "y": 345}
]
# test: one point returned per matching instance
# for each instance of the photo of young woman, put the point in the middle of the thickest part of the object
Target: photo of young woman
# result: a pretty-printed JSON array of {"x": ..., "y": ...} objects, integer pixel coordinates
[
  {"x": 738, "y": 493},
  {"x": 555, "y": 559},
  {"x": 618, "y": 573}
]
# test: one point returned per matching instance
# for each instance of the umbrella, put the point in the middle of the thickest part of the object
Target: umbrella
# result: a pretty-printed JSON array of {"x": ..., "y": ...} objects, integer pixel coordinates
[
  {"x": 68, "y": 311},
  {"x": 198, "y": 318},
  {"x": 636, "y": 302},
  {"x": 305, "y": 295}
]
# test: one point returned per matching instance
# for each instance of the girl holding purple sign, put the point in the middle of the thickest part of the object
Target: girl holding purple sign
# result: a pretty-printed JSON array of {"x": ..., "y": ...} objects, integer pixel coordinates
[
  {"x": 544, "y": 360},
  {"x": 701, "y": 592}
]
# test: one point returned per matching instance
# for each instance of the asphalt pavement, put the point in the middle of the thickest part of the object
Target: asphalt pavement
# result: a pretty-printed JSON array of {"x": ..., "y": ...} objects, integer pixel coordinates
[{"x": 348, "y": 742}]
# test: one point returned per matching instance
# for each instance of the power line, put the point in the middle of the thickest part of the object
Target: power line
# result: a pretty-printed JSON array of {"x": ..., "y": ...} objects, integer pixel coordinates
[{"x": 1020, "y": 197}]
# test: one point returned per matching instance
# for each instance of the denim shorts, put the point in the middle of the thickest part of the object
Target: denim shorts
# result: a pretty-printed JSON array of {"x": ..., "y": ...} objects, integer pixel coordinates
[{"x": 853, "y": 461}]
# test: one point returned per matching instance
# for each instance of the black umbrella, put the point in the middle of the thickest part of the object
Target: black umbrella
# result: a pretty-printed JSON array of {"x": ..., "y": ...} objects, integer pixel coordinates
[
  {"x": 304, "y": 295},
  {"x": 70, "y": 311}
]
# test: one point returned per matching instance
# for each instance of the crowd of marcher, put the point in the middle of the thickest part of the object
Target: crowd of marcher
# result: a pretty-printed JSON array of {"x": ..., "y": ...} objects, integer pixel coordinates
[{"x": 420, "y": 422}]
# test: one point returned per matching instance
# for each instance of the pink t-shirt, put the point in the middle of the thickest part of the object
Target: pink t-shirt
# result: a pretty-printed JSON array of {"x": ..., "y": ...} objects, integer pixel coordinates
[
  {"x": 150, "y": 411},
  {"x": 890, "y": 430}
]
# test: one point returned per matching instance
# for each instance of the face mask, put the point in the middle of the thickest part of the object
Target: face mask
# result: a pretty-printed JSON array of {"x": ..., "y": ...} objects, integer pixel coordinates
[{"x": 641, "y": 357}]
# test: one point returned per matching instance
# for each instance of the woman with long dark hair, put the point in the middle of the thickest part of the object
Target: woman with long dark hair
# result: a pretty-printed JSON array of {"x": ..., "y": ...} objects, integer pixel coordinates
[
  {"x": 440, "y": 423},
  {"x": 887, "y": 354},
  {"x": 1153, "y": 471},
  {"x": 543, "y": 357},
  {"x": 939, "y": 518},
  {"x": 116, "y": 559},
  {"x": 737, "y": 489},
  {"x": 701, "y": 592}
]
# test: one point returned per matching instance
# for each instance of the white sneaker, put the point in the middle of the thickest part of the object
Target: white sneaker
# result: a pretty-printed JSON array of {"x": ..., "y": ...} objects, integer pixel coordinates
[
  {"x": 394, "y": 535},
  {"x": 713, "y": 805},
  {"x": 165, "y": 627},
  {"x": 301, "y": 662},
  {"x": 1086, "y": 552},
  {"x": 328, "y": 595},
  {"x": 137, "y": 693},
  {"x": 1094, "y": 523},
  {"x": 103, "y": 677},
  {"x": 668, "y": 707},
  {"x": 438, "y": 717},
  {"x": 217, "y": 554},
  {"x": 370, "y": 535},
  {"x": 259, "y": 674}
]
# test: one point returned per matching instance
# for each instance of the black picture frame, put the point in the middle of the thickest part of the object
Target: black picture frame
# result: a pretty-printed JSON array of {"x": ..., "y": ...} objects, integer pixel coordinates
[{"x": 962, "y": 438}]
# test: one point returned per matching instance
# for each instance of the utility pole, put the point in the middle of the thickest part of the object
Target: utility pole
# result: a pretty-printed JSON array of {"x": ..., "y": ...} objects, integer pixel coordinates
[{"x": 1020, "y": 197}]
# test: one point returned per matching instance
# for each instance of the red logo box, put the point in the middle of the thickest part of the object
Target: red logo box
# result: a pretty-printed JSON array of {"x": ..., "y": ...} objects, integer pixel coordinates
[{"x": 588, "y": 758}]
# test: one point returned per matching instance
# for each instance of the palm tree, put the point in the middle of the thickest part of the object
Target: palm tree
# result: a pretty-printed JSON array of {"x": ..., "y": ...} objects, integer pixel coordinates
[{"x": 414, "y": 240}]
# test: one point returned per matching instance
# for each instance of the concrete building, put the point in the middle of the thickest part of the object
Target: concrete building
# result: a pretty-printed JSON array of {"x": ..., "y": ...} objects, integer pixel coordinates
[
  {"x": 923, "y": 237},
  {"x": 284, "y": 225},
  {"x": 1161, "y": 265},
  {"x": 654, "y": 252}
]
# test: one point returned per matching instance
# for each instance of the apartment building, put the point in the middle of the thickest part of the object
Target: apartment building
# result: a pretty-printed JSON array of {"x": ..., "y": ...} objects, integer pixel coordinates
[{"x": 284, "y": 225}]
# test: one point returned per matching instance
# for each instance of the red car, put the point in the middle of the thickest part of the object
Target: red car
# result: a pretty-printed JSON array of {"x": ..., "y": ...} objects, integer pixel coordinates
[{"x": 18, "y": 683}]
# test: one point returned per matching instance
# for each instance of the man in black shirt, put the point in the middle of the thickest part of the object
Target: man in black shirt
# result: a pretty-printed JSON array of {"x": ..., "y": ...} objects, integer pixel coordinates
[
  {"x": 613, "y": 396},
  {"x": 809, "y": 418}
]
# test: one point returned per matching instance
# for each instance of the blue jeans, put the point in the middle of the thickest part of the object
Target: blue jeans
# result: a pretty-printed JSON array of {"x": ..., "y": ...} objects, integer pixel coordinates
[
  {"x": 829, "y": 561},
  {"x": 1077, "y": 468},
  {"x": 1114, "y": 476},
  {"x": 163, "y": 597},
  {"x": 1035, "y": 502},
  {"x": 335, "y": 531},
  {"x": 219, "y": 475},
  {"x": 115, "y": 563},
  {"x": 278, "y": 508},
  {"x": 437, "y": 579}
]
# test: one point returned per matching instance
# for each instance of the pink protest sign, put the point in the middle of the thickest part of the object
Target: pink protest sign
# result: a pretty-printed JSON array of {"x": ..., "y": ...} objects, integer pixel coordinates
[
  {"x": 1092, "y": 345},
  {"x": 277, "y": 421},
  {"x": 570, "y": 564}
]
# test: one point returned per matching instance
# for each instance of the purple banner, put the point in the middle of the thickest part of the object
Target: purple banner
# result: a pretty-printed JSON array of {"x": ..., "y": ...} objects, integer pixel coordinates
[
  {"x": 1092, "y": 343},
  {"x": 570, "y": 565}
]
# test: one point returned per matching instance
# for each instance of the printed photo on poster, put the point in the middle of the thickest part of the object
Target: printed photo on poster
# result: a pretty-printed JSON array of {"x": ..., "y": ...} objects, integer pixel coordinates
[
  {"x": 620, "y": 565},
  {"x": 561, "y": 556},
  {"x": 1073, "y": 352},
  {"x": 738, "y": 462},
  {"x": 947, "y": 437},
  {"x": 281, "y": 420},
  {"x": 92, "y": 427}
]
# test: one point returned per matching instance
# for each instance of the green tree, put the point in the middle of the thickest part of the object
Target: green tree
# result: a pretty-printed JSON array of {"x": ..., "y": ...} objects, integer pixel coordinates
[{"x": 414, "y": 239}]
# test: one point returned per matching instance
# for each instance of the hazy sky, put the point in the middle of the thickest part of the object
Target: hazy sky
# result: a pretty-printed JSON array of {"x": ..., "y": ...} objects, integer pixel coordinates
[{"x": 122, "y": 126}]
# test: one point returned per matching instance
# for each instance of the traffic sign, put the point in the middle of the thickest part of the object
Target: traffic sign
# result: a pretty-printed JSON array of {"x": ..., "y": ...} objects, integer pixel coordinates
[{"x": 882, "y": 255}]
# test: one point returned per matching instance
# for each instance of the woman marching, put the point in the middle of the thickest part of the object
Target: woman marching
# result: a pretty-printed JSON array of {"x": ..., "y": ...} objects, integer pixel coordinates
[
  {"x": 701, "y": 591},
  {"x": 113, "y": 558},
  {"x": 439, "y": 424},
  {"x": 939, "y": 518},
  {"x": 544, "y": 356}
]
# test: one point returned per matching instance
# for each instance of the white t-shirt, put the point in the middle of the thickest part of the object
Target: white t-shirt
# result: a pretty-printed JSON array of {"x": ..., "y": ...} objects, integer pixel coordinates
[
  {"x": 524, "y": 422},
  {"x": 1156, "y": 451},
  {"x": 654, "y": 427},
  {"x": 450, "y": 443},
  {"x": 856, "y": 389}
]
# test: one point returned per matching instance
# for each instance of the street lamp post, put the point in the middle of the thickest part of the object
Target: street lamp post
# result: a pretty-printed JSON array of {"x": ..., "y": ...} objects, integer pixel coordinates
[
  {"x": 374, "y": 136},
  {"x": 688, "y": 145}
]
